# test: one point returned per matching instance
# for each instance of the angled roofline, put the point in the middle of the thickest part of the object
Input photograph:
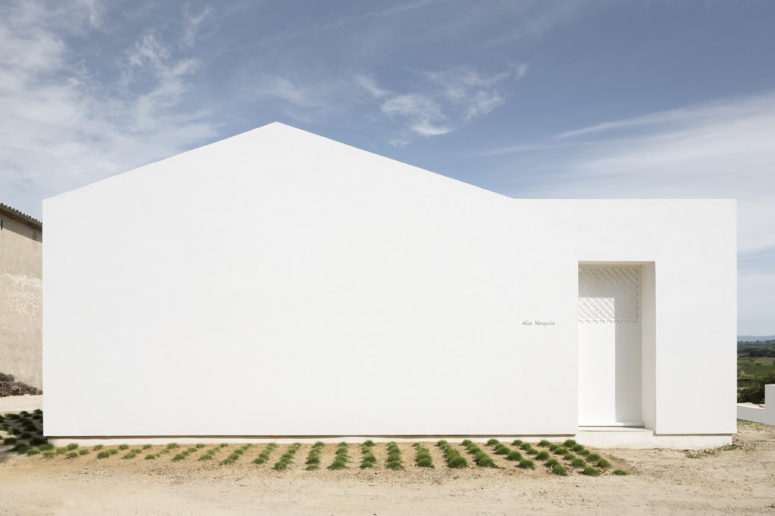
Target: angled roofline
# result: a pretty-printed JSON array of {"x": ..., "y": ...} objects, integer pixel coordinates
[{"x": 13, "y": 213}]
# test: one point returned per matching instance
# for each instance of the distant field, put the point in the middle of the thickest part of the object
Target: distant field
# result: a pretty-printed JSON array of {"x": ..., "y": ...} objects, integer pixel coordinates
[{"x": 754, "y": 369}]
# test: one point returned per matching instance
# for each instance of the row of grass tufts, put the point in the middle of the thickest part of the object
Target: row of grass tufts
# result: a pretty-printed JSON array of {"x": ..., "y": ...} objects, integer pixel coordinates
[
  {"x": 423, "y": 456},
  {"x": 393, "y": 457},
  {"x": 451, "y": 455},
  {"x": 313, "y": 457},
  {"x": 480, "y": 457},
  {"x": 367, "y": 457},
  {"x": 340, "y": 458},
  {"x": 265, "y": 453},
  {"x": 185, "y": 453},
  {"x": 210, "y": 454},
  {"x": 236, "y": 454},
  {"x": 286, "y": 458}
]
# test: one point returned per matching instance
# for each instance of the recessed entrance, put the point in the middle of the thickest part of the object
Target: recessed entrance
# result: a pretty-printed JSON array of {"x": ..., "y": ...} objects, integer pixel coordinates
[{"x": 610, "y": 345}]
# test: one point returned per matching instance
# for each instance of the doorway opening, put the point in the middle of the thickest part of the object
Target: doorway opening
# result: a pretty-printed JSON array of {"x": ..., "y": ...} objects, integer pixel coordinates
[{"x": 611, "y": 343}]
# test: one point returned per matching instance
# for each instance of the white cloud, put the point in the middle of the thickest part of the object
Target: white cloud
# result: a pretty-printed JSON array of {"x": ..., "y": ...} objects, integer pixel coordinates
[
  {"x": 368, "y": 83},
  {"x": 446, "y": 101},
  {"x": 722, "y": 149},
  {"x": 60, "y": 127},
  {"x": 193, "y": 24}
]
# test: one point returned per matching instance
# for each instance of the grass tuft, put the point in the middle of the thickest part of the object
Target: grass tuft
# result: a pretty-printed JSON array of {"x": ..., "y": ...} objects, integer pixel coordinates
[
  {"x": 265, "y": 453},
  {"x": 286, "y": 458},
  {"x": 620, "y": 472},
  {"x": 394, "y": 456},
  {"x": 592, "y": 472},
  {"x": 423, "y": 457},
  {"x": 452, "y": 456},
  {"x": 578, "y": 463},
  {"x": 480, "y": 457},
  {"x": 340, "y": 458}
]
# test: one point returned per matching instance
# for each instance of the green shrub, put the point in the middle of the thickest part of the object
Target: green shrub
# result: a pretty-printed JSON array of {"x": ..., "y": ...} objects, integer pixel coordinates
[
  {"x": 200, "y": 445},
  {"x": 602, "y": 463},
  {"x": 544, "y": 443},
  {"x": 151, "y": 456},
  {"x": 83, "y": 451},
  {"x": 619, "y": 472},
  {"x": 178, "y": 456},
  {"x": 368, "y": 459},
  {"x": 542, "y": 455},
  {"x": 551, "y": 462},
  {"x": 583, "y": 452},
  {"x": 393, "y": 457},
  {"x": 36, "y": 441},
  {"x": 514, "y": 455},
  {"x": 97, "y": 447},
  {"x": 71, "y": 446},
  {"x": 46, "y": 447},
  {"x": 146, "y": 446},
  {"x": 492, "y": 442},
  {"x": 577, "y": 448},
  {"x": 592, "y": 472},
  {"x": 265, "y": 453},
  {"x": 569, "y": 457},
  {"x": 423, "y": 457},
  {"x": 287, "y": 457},
  {"x": 593, "y": 457},
  {"x": 516, "y": 442},
  {"x": 526, "y": 464},
  {"x": 21, "y": 448},
  {"x": 557, "y": 469},
  {"x": 33, "y": 451},
  {"x": 340, "y": 458},
  {"x": 103, "y": 454},
  {"x": 452, "y": 456},
  {"x": 569, "y": 443},
  {"x": 49, "y": 454},
  {"x": 170, "y": 446},
  {"x": 123, "y": 447},
  {"x": 578, "y": 463},
  {"x": 560, "y": 450},
  {"x": 480, "y": 457},
  {"x": 500, "y": 449}
]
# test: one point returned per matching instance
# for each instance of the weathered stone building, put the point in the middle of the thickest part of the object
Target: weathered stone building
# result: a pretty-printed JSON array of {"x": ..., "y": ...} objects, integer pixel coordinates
[{"x": 21, "y": 239}]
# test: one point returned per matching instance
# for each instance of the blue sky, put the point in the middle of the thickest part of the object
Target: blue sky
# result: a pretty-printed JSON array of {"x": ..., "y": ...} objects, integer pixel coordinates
[{"x": 527, "y": 98}]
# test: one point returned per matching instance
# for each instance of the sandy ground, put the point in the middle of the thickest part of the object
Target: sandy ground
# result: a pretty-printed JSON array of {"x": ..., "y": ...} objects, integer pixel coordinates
[{"x": 740, "y": 480}]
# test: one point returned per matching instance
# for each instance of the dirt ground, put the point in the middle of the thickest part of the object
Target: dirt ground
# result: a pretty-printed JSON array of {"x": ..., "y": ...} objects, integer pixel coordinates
[{"x": 739, "y": 480}]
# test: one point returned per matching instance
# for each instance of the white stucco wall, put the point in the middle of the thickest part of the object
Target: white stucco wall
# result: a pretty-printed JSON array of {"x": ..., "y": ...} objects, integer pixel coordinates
[{"x": 279, "y": 283}]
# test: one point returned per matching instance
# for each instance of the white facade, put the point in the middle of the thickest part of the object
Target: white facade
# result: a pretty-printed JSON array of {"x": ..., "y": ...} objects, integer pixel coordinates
[{"x": 278, "y": 283}]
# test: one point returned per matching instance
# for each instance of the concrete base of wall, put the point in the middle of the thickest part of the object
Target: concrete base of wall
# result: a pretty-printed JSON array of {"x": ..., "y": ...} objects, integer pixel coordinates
[
  {"x": 642, "y": 438},
  {"x": 593, "y": 437},
  {"x": 210, "y": 439}
]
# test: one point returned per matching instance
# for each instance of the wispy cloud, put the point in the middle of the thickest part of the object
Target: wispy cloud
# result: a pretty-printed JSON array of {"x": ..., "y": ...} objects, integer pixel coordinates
[
  {"x": 720, "y": 149},
  {"x": 444, "y": 101},
  {"x": 61, "y": 127}
]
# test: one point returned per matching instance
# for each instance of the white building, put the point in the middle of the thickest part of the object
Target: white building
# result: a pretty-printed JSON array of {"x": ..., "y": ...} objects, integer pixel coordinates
[{"x": 278, "y": 283}]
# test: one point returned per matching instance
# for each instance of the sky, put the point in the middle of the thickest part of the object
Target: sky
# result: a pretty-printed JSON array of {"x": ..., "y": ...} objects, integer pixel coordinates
[{"x": 529, "y": 98}]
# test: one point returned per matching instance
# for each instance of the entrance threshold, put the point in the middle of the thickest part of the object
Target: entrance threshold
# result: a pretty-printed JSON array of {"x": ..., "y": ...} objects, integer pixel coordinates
[{"x": 640, "y": 438}]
